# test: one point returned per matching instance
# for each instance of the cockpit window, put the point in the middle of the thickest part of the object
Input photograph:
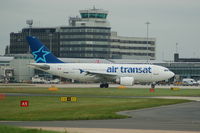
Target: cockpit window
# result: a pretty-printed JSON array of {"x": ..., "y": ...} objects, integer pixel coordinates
[{"x": 166, "y": 70}]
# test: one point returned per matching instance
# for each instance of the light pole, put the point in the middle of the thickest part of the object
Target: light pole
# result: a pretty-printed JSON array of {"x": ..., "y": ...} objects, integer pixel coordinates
[
  {"x": 147, "y": 23},
  {"x": 29, "y": 23}
]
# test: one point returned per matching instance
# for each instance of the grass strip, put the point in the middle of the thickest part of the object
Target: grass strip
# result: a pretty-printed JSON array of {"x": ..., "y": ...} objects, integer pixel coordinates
[
  {"x": 51, "y": 108},
  {"x": 103, "y": 91},
  {"x": 13, "y": 129}
]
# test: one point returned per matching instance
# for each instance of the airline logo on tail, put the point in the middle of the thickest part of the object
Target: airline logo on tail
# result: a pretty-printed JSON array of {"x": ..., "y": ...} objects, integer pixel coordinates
[
  {"x": 40, "y": 52},
  {"x": 40, "y": 55}
]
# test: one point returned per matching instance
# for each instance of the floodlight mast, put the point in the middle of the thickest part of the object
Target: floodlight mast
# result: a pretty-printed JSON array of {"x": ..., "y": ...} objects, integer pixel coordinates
[
  {"x": 29, "y": 22},
  {"x": 147, "y": 23}
]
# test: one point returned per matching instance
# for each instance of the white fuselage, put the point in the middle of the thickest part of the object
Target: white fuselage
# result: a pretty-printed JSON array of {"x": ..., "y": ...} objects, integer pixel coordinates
[{"x": 140, "y": 72}]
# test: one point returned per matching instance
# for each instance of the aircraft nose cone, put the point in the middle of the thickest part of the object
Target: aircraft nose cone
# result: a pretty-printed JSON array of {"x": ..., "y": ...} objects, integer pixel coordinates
[{"x": 171, "y": 74}]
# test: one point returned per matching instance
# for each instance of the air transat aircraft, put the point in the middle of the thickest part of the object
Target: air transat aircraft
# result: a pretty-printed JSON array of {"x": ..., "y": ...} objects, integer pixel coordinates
[{"x": 124, "y": 74}]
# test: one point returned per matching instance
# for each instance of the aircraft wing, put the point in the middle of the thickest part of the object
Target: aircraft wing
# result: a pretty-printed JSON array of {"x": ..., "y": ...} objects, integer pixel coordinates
[
  {"x": 100, "y": 75},
  {"x": 40, "y": 66}
]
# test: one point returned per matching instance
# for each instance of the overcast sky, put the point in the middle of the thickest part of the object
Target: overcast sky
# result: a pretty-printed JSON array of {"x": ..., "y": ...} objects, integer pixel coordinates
[{"x": 172, "y": 21}]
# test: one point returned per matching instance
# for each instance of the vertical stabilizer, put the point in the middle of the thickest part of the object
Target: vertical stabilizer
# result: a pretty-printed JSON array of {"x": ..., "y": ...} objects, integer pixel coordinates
[{"x": 40, "y": 52}]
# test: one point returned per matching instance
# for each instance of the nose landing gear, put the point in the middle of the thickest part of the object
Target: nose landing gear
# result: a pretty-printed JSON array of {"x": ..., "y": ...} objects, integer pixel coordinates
[{"x": 104, "y": 85}]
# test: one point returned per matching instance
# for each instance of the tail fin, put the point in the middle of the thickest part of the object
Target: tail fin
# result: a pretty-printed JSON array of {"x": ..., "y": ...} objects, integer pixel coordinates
[{"x": 40, "y": 52}]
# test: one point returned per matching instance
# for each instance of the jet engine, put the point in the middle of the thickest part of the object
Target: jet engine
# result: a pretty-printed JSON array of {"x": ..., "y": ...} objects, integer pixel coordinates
[{"x": 129, "y": 81}]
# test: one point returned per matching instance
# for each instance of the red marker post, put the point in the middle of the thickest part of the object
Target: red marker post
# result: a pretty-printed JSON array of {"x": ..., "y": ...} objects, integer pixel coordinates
[
  {"x": 2, "y": 96},
  {"x": 24, "y": 103},
  {"x": 152, "y": 90}
]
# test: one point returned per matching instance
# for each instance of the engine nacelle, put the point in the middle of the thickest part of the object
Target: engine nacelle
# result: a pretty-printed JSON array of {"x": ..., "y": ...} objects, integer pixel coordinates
[{"x": 129, "y": 81}]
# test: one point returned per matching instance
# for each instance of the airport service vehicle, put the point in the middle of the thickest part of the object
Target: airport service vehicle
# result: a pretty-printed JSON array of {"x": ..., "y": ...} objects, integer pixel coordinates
[
  {"x": 189, "y": 82},
  {"x": 124, "y": 74},
  {"x": 41, "y": 80}
]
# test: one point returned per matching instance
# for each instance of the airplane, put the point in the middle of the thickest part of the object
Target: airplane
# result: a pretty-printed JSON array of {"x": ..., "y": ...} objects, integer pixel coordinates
[{"x": 124, "y": 74}]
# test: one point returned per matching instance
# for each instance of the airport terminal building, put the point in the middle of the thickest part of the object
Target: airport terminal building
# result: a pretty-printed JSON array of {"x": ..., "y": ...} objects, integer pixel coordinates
[{"x": 87, "y": 36}]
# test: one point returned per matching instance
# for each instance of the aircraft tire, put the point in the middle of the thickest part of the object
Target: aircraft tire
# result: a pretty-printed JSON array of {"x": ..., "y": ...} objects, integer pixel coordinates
[
  {"x": 153, "y": 85},
  {"x": 101, "y": 85},
  {"x": 105, "y": 85}
]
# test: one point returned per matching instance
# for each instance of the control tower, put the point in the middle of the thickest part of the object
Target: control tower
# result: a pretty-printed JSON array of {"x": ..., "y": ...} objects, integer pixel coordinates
[
  {"x": 90, "y": 17},
  {"x": 87, "y": 36},
  {"x": 94, "y": 14}
]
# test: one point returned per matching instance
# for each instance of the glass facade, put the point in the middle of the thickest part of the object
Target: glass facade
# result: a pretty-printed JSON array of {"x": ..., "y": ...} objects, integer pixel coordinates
[
  {"x": 94, "y": 15},
  {"x": 132, "y": 48},
  {"x": 85, "y": 42},
  {"x": 48, "y": 36}
]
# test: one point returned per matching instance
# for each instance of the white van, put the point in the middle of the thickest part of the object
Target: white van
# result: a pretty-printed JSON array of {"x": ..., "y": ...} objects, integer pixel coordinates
[{"x": 189, "y": 81}]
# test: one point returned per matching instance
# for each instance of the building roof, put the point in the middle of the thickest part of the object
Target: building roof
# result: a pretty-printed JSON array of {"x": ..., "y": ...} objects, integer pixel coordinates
[{"x": 5, "y": 58}]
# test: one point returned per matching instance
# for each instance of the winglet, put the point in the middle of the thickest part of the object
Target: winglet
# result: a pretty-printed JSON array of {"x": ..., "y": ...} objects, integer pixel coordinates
[{"x": 40, "y": 52}]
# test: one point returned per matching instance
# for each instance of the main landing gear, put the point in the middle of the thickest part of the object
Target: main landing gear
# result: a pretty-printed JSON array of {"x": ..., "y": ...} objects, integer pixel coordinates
[
  {"x": 153, "y": 86},
  {"x": 104, "y": 85},
  {"x": 152, "y": 89}
]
